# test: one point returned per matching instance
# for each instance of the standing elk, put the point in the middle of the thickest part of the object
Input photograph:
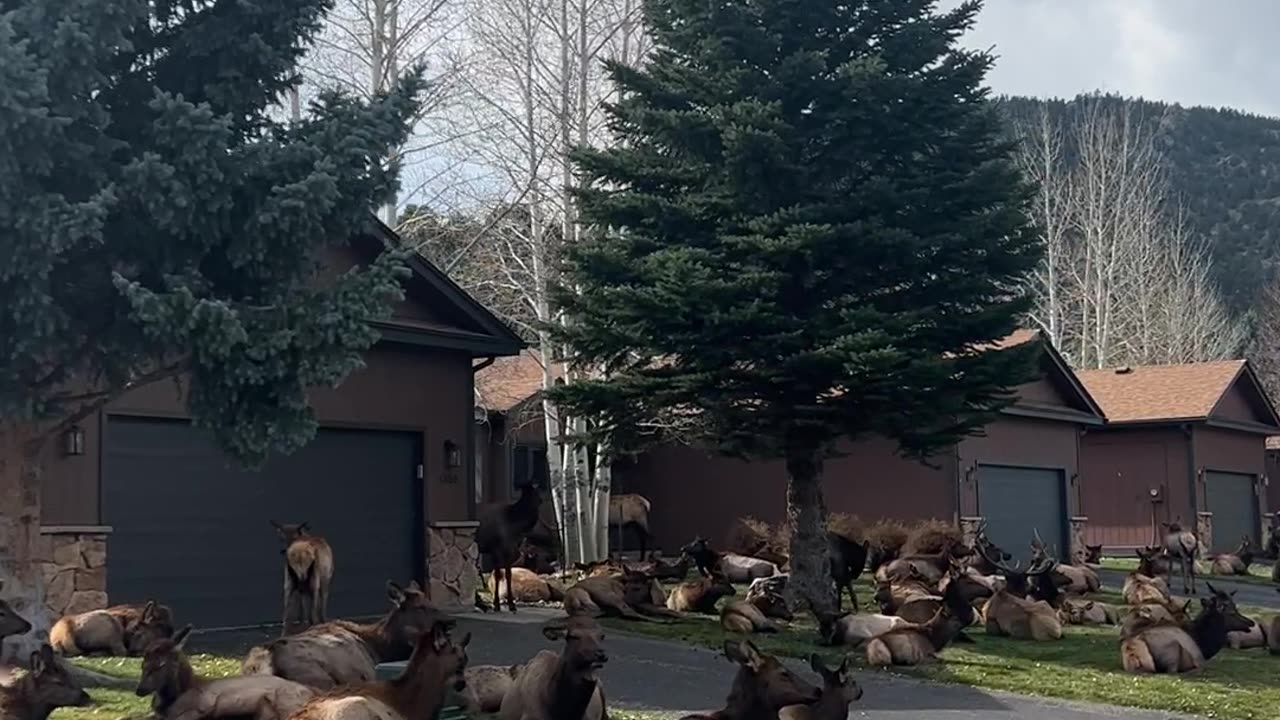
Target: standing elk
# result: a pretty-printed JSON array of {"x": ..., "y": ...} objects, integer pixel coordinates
[
  {"x": 630, "y": 511},
  {"x": 564, "y": 685},
  {"x": 500, "y": 533},
  {"x": 1183, "y": 546},
  {"x": 1164, "y": 648},
  {"x": 308, "y": 573},
  {"x": 762, "y": 687},
  {"x": 44, "y": 688},
  {"x": 839, "y": 690},
  {"x": 847, "y": 560}
]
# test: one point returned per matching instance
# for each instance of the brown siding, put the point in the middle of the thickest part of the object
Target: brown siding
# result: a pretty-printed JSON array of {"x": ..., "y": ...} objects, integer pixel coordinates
[
  {"x": 1235, "y": 406},
  {"x": 1273, "y": 481},
  {"x": 426, "y": 390},
  {"x": 1227, "y": 451},
  {"x": 1041, "y": 392},
  {"x": 1019, "y": 442},
  {"x": 695, "y": 492},
  {"x": 1119, "y": 467}
]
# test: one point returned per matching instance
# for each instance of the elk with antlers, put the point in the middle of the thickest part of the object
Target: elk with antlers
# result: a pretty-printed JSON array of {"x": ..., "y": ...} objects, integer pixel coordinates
[
  {"x": 1236, "y": 563},
  {"x": 1008, "y": 614},
  {"x": 1075, "y": 579}
]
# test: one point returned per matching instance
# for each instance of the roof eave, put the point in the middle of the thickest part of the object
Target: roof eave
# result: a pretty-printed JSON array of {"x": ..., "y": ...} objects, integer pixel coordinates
[{"x": 1057, "y": 414}]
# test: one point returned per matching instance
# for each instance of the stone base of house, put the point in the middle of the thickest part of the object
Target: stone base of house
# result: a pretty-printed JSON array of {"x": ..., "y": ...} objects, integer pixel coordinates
[
  {"x": 1076, "y": 539},
  {"x": 1204, "y": 532},
  {"x": 1268, "y": 519},
  {"x": 73, "y": 562},
  {"x": 452, "y": 555},
  {"x": 969, "y": 529}
]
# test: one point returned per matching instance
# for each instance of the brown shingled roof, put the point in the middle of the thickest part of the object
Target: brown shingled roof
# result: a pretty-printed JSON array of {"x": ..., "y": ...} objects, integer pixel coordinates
[
  {"x": 1153, "y": 393},
  {"x": 509, "y": 381}
]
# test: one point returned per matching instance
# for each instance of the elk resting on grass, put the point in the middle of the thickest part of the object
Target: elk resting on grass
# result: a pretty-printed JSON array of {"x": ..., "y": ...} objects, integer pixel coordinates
[
  {"x": 839, "y": 690},
  {"x": 93, "y": 632},
  {"x": 742, "y": 617},
  {"x": 1088, "y": 612},
  {"x": 983, "y": 548},
  {"x": 437, "y": 664},
  {"x": 1254, "y": 637},
  {"x": 1073, "y": 579},
  {"x": 1184, "y": 547},
  {"x": 143, "y": 624},
  {"x": 564, "y": 685},
  {"x": 1140, "y": 589},
  {"x": 1143, "y": 616},
  {"x": 177, "y": 694},
  {"x": 701, "y": 595},
  {"x": 854, "y": 630},
  {"x": 308, "y": 573},
  {"x": 341, "y": 652},
  {"x": 1236, "y": 563},
  {"x": 737, "y": 568},
  {"x": 761, "y": 688},
  {"x": 1171, "y": 649},
  {"x": 529, "y": 587},
  {"x": 601, "y": 596},
  {"x": 1092, "y": 554},
  {"x": 44, "y": 688},
  {"x": 767, "y": 594},
  {"x": 914, "y": 644},
  {"x": 487, "y": 685},
  {"x": 1152, "y": 561},
  {"x": 1016, "y": 617}
]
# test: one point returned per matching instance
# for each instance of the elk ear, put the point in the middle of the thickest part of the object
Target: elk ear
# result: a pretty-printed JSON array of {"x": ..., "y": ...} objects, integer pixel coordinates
[
  {"x": 180, "y": 637},
  {"x": 42, "y": 660},
  {"x": 439, "y": 637},
  {"x": 466, "y": 640},
  {"x": 395, "y": 592},
  {"x": 149, "y": 612},
  {"x": 306, "y": 525},
  {"x": 414, "y": 587},
  {"x": 744, "y": 653},
  {"x": 555, "y": 629},
  {"x": 278, "y": 527}
]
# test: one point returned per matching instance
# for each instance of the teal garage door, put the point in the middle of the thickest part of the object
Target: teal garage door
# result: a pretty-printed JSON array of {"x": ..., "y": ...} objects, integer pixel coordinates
[
  {"x": 1017, "y": 502},
  {"x": 1234, "y": 505}
]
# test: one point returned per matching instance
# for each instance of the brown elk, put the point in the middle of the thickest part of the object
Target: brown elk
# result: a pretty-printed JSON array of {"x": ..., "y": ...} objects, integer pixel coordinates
[
  {"x": 1075, "y": 579},
  {"x": 177, "y": 694},
  {"x": 761, "y": 688},
  {"x": 1184, "y": 547},
  {"x": 1009, "y": 614},
  {"x": 564, "y": 685},
  {"x": 701, "y": 595},
  {"x": 768, "y": 595},
  {"x": 529, "y": 587},
  {"x": 436, "y": 665},
  {"x": 1236, "y": 563},
  {"x": 983, "y": 547},
  {"x": 1140, "y": 589},
  {"x": 1082, "y": 612},
  {"x": 855, "y": 630},
  {"x": 742, "y": 617},
  {"x": 534, "y": 557},
  {"x": 839, "y": 690},
  {"x": 487, "y": 685},
  {"x": 1165, "y": 648},
  {"x": 46, "y": 687},
  {"x": 308, "y": 573},
  {"x": 143, "y": 624},
  {"x": 601, "y": 595},
  {"x": 1152, "y": 561},
  {"x": 1092, "y": 554},
  {"x": 931, "y": 566},
  {"x": 93, "y": 632},
  {"x": 914, "y": 644},
  {"x": 660, "y": 570},
  {"x": 1146, "y": 615},
  {"x": 737, "y": 568},
  {"x": 630, "y": 510},
  {"x": 341, "y": 652},
  {"x": 501, "y": 531}
]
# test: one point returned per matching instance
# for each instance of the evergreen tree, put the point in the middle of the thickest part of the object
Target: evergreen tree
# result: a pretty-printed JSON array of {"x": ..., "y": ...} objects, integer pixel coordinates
[
  {"x": 809, "y": 230},
  {"x": 155, "y": 221}
]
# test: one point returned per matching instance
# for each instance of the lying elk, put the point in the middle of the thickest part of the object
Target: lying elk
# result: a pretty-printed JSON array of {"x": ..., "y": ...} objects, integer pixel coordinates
[
  {"x": 101, "y": 631},
  {"x": 308, "y": 573},
  {"x": 1088, "y": 612},
  {"x": 177, "y": 694},
  {"x": 737, "y": 568},
  {"x": 437, "y": 664},
  {"x": 564, "y": 685},
  {"x": 932, "y": 566},
  {"x": 740, "y": 616},
  {"x": 501, "y": 531},
  {"x": 839, "y": 691},
  {"x": 601, "y": 596},
  {"x": 983, "y": 547},
  {"x": 46, "y": 687},
  {"x": 143, "y": 624},
  {"x": 1171, "y": 649},
  {"x": 1183, "y": 546},
  {"x": 341, "y": 652},
  {"x": 1236, "y": 563},
  {"x": 855, "y": 630},
  {"x": 915, "y": 644},
  {"x": 630, "y": 511},
  {"x": 1092, "y": 554},
  {"x": 529, "y": 587},
  {"x": 1016, "y": 617},
  {"x": 659, "y": 570},
  {"x": 1143, "y": 616},
  {"x": 701, "y": 595},
  {"x": 762, "y": 687},
  {"x": 486, "y": 686},
  {"x": 1076, "y": 579},
  {"x": 1153, "y": 561},
  {"x": 768, "y": 595}
]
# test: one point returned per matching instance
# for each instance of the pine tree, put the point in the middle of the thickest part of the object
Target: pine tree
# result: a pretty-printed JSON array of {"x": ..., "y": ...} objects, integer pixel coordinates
[
  {"x": 810, "y": 229},
  {"x": 155, "y": 221}
]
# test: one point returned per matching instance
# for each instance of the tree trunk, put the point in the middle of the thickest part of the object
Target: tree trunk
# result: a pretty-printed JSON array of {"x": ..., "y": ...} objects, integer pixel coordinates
[
  {"x": 21, "y": 580},
  {"x": 810, "y": 583}
]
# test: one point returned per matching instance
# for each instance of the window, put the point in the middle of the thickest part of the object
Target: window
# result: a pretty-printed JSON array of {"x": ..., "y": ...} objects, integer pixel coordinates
[{"x": 528, "y": 466}]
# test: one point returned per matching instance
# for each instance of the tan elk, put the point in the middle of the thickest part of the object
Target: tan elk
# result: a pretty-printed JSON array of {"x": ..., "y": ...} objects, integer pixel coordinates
[
  {"x": 308, "y": 574},
  {"x": 1146, "y": 615},
  {"x": 762, "y": 687},
  {"x": 839, "y": 690},
  {"x": 769, "y": 595},
  {"x": 737, "y": 568},
  {"x": 1184, "y": 547},
  {"x": 46, "y": 687},
  {"x": 602, "y": 596},
  {"x": 1013, "y": 616},
  {"x": 178, "y": 694},
  {"x": 1164, "y": 648},
  {"x": 1140, "y": 589},
  {"x": 501, "y": 531},
  {"x": 437, "y": 665},
  {"x": 88, "y": 633},
  {"x": 701, "y": 595},
  {"x": 487, "y": 685},
  {"x": 1075, "y": 579},
  {"x": 914, "y": 644},
  {"x": 1236, "y": 563},
  {"x": 1089, "y": 612},
  {"x": 630, "y": 510},
  {"x": 341, "y": 652},
  {"x": 529, "y": 587},
  {"x": 855, "y": 630},
  {"x": 740, "y": 616},
  {"x": 564, "y": 685}
]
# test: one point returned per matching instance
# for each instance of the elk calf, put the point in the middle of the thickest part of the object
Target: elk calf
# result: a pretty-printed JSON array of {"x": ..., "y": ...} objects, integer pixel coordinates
[
  {"x": 762, "y": 687},
  {"x": 43, "y": 689},
  {"x": 839, "y": 690},
  {"x": 564, "y": 685},
  {"x": 308, "y": 572},
  {"x": 437, "y": 664}
]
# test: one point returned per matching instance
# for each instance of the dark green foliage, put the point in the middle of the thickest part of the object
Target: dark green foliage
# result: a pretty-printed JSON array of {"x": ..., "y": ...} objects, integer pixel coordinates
[
  {"x": 155, "y": 219},
  {"x": 809, "y": 231},
  {"x": 1223, "y": 169}
]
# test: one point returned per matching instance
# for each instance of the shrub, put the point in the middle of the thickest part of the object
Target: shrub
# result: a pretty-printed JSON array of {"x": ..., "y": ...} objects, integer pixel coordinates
[{"x": 929, "y": 536}]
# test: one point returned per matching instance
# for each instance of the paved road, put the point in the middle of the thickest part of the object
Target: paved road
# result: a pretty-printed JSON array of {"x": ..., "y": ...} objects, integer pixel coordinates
[
  {"x": 672, "y": 679},
  {"x": 1262, "y": 596}
]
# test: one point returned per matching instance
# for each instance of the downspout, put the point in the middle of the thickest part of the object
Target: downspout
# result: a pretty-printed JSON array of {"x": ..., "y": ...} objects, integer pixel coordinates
[
  {"x": 1191, "y": 473},
  {"x": 471, "y": 438}
]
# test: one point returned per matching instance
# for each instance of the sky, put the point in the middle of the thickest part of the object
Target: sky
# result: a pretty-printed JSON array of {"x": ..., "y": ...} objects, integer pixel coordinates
[{"x": 1193, "y": 52}]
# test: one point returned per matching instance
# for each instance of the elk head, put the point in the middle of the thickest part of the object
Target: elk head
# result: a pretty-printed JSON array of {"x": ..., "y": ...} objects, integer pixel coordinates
[
  {"x": 152, "y": 626},
  {"x": 49, "y": 685},
  {"x": 411, "y": 616},
  {"x": 837, "y": 685},
  {"x": 165, "y": 666},
  {"x": 11, "y": 623},
  {"x": 583, "y": 643},
  {"x": 289, "y": 532},
  {"x": 438, "y": 660},
  {"x": 1224, "y": 604},
  {"x": 775, "y": 685},
  {"x": 1093, "y": 554}
]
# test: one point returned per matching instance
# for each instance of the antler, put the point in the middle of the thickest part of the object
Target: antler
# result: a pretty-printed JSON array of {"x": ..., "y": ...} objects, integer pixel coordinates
[
  {"x": 997, "y": 564},
  {"x": 1037, "y": 543}
]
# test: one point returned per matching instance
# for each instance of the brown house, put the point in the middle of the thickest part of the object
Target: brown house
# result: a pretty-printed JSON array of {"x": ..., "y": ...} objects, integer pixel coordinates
[
  {"x": 139, "y": 504},
  {"x": 511, "y": 441},
  {"x": 1183, "y": 443}
]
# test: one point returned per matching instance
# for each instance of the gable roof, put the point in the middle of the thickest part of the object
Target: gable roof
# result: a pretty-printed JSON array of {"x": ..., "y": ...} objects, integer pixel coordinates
[
  {"x": 1173, "y": 393},
  {"x": 509, "y": 381},
  {"x": 1058, "y": 374},
  {"x": 486, "y": 335}
]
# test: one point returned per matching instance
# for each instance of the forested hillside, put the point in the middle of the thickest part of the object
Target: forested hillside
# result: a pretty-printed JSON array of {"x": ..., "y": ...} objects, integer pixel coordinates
[{"x": 1222, "y": 165}]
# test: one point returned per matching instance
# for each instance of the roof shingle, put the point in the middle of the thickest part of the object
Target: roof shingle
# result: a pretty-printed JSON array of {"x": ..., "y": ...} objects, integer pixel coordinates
[
  {"x": 1160, "y": 392},
  {"x": 509, "y": 381}
]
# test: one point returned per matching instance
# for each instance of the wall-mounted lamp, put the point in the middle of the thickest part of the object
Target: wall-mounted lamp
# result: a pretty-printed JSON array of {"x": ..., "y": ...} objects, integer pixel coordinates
[
  {"x": 480, "y": 414},
  {"x": 452, "y": 458},
  {"x": 73, "y": 440}
]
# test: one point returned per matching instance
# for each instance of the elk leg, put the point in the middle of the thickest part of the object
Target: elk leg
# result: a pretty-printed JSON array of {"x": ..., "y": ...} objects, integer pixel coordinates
[
  {"x": 511, "y": 598},
  {"x": 320, "y": 610},
  {"x": 644, "y": 540}
]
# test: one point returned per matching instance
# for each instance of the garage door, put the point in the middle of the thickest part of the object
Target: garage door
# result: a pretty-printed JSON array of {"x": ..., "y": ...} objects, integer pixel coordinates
[
  {"x": 193, "y": 529},
  {"x": 1018, "y": 501},
  {"x": 1230, "y": 498}
]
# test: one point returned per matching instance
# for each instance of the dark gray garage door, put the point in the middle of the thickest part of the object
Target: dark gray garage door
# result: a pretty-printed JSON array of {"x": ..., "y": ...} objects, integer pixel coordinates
[
  {"x": 1017, "y": 501},
  {"x": 193, "y": 529},
  {"x": 1231, "y": 499}
]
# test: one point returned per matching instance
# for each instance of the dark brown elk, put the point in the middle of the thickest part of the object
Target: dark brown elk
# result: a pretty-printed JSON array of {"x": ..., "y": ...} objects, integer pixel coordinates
[
  {"x": 308, "y": 573},
  {"x": 43, "y": 689},
  {"x": 536, "y": 558},
  {"x": 1092, "y": 554},
  {"x": 1184, "y": 547},
  {"x": 700, "y": 596},
  {"x": 487, "y": 685},
  {"x": 839, "y": 690},
  {"x": 1152, "y": 561},
  {"x": 914, "y": 644},
  {"x": 932, "y": 566},
  {"x": 630, "y": 511},
  {"x": 437, "y": 665},
  {"x": 983, "y": 548},
  {"x": 564, "y": 685},
  {"x": 1072, "y": 579},
  {"x": 740, "y": 616},
  {"x": 177, "y": 694},
  {"x": 659, "y": 570},
  {"x": 501, "y": 531},
  {"x": 143, "y": 624},
  {"x": 761, "y": 688},
  {"x": 1164, "y": 648},
  {"x": 847, "y": 559},
  {"x": 341, "y": 652},
  {"x": 1236, "y": 563}
]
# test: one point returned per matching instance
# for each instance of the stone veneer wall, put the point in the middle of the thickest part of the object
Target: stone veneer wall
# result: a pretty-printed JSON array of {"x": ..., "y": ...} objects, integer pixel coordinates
[
  {"x": 73, "y": 561},
  {"x": 452, "y": 574}
]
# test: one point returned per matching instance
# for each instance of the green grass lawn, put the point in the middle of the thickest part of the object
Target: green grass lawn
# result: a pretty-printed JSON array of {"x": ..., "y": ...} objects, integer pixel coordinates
[
  {"x": 1083, "y": 666},
  {"x": 1258, "y": 574}
]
